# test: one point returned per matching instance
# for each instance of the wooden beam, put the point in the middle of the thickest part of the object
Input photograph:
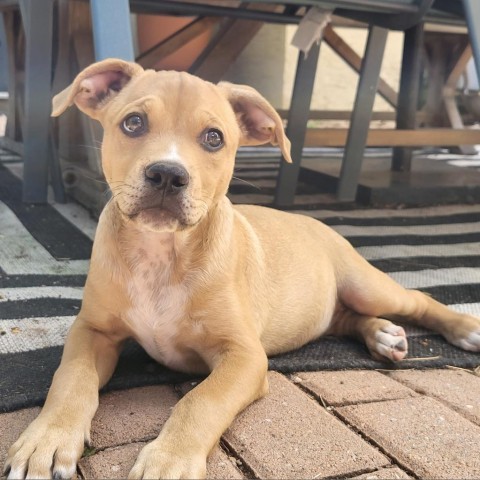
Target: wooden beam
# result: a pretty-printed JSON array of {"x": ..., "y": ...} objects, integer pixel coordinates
[
  {"x": 337, "y": 137},
  {"x": 339, "y": 115},
  {"x": 459, "y": 68},
  {"x": 171, "y": 44},
  {"x": 449, "y": 95},
  {"x": 346, "y": 115},
  {"x": 343, "y": 49},
  {"x": 231, "y": 39}
]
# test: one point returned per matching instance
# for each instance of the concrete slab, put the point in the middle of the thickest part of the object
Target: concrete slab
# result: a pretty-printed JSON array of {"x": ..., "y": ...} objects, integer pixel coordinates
[
  {"x": 353, "y": 386},
  {"x": 422, "y": 435},
  {"x": 115, "y": 463},
  {"x": 289, "y": 435},
  {"x": 132, "y": 415},
  {"x": 457, "y": 388},
  {"x": 11, "y": 426}
]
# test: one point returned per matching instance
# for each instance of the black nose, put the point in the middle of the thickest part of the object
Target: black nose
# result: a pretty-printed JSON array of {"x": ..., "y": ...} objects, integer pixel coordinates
[{"x": 170, "y": 177}]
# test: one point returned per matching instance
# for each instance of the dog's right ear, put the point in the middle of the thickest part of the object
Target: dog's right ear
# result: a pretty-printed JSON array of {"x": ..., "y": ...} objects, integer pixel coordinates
[{"x": 95, "y": 86}]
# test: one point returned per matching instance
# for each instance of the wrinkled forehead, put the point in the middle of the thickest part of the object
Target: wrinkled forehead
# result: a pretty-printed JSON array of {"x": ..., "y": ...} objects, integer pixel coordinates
[{"x": 176, "y": 93}]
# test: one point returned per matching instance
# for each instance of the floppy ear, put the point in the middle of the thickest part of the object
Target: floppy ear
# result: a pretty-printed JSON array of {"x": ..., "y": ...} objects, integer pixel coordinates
[
  {"x": 95, "y": 86},
  {"x": 258, "y": 120}
]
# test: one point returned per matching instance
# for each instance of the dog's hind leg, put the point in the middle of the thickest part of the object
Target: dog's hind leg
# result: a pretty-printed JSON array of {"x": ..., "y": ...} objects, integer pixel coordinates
[
  {"x": 383, "y": 339},
  {"x": 369, "y": 292}
]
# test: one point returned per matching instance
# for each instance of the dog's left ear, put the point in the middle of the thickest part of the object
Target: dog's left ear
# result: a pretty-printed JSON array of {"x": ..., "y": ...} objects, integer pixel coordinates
[{"x": 258, "y": 120}]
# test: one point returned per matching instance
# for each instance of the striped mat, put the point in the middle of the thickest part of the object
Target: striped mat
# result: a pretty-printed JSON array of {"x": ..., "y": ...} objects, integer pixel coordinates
[{"x": 44, "y": 252}]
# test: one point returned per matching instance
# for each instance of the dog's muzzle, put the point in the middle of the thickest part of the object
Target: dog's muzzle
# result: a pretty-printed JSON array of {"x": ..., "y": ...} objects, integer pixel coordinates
[{"x": 163, "y": 198}]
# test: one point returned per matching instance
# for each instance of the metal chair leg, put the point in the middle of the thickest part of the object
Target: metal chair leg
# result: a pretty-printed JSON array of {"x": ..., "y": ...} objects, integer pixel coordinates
[
  {"x": 408, "y": 95},
  {"x": 37, "y": 19},
  {"x": 362, "y": 114},
  {"x": 112, "y": 31},
  {"x": 297, "y": 125},
  {"x": 472, "y": 14}
]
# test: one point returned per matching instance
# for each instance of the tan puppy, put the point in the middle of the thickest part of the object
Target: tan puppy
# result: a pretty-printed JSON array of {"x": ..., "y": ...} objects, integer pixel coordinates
[{"x": 202, "y": 285}]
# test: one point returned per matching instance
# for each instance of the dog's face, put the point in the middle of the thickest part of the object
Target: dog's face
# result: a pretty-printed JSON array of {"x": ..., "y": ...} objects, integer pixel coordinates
[
  {"x": 168, "y": 149},
  {"x": 169, "y": 138}
]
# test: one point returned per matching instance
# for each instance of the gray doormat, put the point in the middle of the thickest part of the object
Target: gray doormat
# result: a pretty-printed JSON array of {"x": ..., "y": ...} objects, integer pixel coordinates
[{"x": 44, "y": 252}]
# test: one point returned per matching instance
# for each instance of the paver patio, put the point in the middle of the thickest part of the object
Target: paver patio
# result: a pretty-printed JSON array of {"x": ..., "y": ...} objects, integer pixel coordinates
[{"x": 343, "y": 424}]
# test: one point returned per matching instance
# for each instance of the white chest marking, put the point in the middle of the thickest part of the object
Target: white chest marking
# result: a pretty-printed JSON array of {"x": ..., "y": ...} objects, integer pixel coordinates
[{"x": 157, "y": 307}]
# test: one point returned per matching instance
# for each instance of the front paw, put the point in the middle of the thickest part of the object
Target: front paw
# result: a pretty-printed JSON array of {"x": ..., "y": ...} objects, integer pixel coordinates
[
  {"x": 48, "y": 448},
  {"x": 155, "y": 462}
]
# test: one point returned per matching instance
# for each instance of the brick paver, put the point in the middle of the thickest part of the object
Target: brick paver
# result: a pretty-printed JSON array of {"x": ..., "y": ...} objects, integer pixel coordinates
[
  {"x": 349, "y": 387},
  {"x": 115, "y": 463},
  {"x": 384, "y": 474},
  {"x": 422, "y": 434},
  {"x": 11, "y": 426},
  {"x": 458, "y": 389},
  {"x": 289, "y": 435},
  {"x": 132, "y": 415}
]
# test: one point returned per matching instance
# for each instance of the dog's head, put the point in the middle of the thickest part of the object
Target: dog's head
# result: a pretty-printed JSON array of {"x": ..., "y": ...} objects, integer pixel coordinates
[{"x": 169, "y": 138}]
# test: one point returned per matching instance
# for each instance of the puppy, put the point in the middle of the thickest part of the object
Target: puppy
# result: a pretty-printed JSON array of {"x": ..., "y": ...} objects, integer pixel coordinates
[{"x": 203, "y": 286}]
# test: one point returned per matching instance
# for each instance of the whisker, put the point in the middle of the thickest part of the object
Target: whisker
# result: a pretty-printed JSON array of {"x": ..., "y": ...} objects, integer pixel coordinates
[
  {"x": 248, "y": 183},
  {"x": 95, "y": 179},
  {"x": 116, "y": 195},
  {"x": 86, "y": 146}
]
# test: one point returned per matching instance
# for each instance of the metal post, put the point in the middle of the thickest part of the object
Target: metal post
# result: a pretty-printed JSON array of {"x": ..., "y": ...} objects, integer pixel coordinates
[
  {"x": 472, "y": 14},
  {"x": 37, "y": 21},
  {"x": 362, "y": 113},
  {"x": 408, "y": 94},
  {"x": 3, "y": 56},
  {"x": 297, "y": 125},
  {"x": 112, "y": 30}
]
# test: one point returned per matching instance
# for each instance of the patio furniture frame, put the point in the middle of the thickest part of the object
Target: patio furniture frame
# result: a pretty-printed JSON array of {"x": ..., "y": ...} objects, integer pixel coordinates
[{"x": 112, "y": 37}]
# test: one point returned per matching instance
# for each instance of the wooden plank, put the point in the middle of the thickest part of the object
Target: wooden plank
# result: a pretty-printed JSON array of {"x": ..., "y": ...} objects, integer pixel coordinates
[
  {"x": 343, "y": 49},
  {"x": 337, "y": 137},
  {"x": 233, "y": 36},
  {"x": 227, "y": 45},
  {"x": 346, "y": 115},
  {"x": 449, "y": 95},
  {"x": 459, "y": 68},
  {"x": 339, "y": 115},
  {"x": 171, "y": 44}
]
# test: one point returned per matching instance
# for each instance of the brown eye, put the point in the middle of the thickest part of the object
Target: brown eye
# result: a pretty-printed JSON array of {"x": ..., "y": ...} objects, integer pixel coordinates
[
  {"x": 134, "y": 125},
  {"x": 212, "y": 139}
]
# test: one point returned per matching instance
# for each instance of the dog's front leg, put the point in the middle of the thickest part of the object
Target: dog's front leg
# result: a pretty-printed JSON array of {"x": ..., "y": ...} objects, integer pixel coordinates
[
  {"x": 53, "y": 443},
  {"x": 198, "y": 420}
]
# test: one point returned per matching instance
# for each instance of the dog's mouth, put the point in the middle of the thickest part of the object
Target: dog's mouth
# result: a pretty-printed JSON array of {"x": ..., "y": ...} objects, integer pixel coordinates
[
  {"x": 158, "y": 218},
  {"x": 164, "y": 216}
]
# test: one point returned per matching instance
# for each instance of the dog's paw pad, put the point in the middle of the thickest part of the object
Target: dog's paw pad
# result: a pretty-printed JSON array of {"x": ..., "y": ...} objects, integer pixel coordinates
[{"x": 391, "y": 342}]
